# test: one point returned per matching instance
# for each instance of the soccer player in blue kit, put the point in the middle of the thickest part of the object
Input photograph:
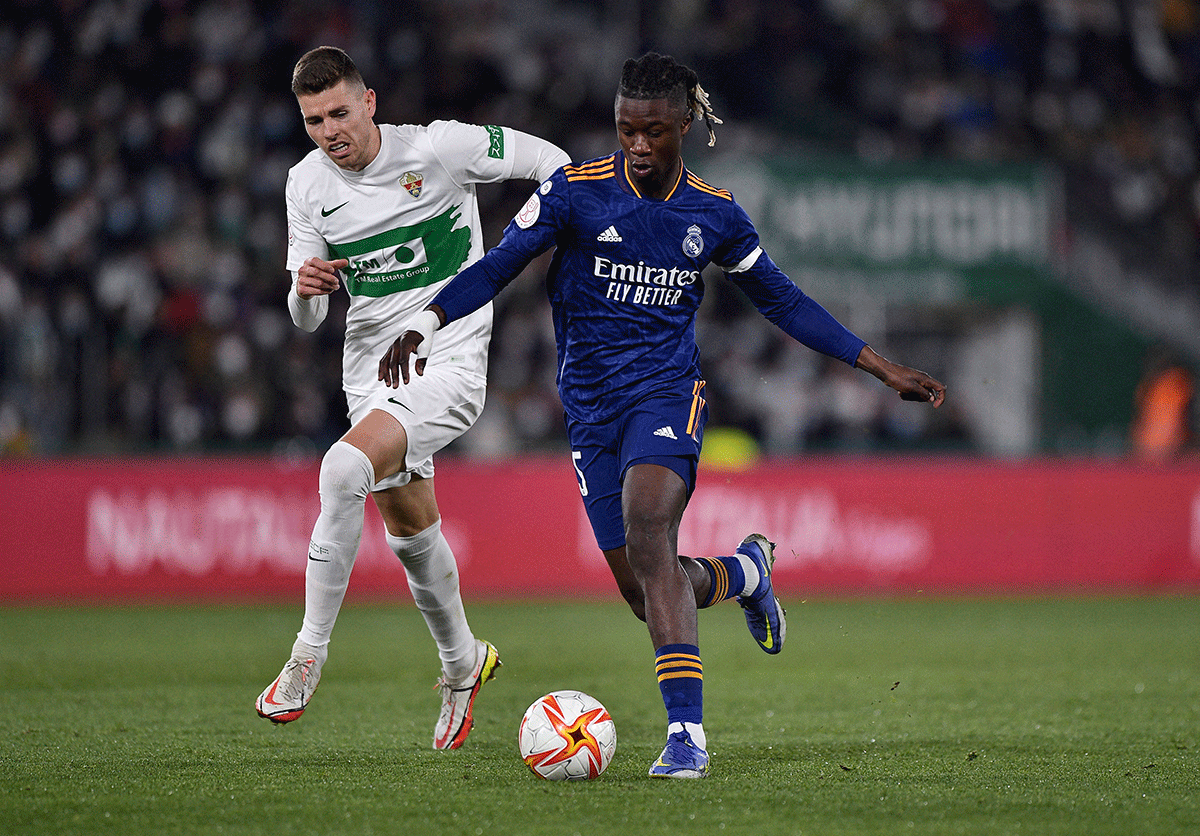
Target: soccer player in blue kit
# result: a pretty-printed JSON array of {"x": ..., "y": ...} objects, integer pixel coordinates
[{"x": 633, "y": 232}]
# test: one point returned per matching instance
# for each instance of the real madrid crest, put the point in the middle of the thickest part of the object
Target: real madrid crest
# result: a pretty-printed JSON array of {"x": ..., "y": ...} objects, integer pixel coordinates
[
  {"x": 693, "y": 242},
  {"x": 411, "y": 181}
]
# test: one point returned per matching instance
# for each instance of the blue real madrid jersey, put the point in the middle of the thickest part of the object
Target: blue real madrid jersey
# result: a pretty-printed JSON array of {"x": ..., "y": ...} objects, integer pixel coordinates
[{"x": 625, "y": 281}]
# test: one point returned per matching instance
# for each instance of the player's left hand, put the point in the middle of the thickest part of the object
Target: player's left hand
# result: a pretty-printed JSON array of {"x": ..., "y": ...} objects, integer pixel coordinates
[
  {"x": 417, "y": 339},
  {"x": 913, "y": 385}
]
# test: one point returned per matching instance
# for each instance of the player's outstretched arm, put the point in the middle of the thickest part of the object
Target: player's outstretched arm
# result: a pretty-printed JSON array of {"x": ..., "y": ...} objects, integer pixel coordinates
[
  {"x": 912, "y": 385},
  {"x": 416, "y": 339}
]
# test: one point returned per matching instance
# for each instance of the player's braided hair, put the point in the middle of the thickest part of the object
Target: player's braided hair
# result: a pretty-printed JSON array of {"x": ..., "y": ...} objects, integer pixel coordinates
[
  {"x": 322, "y": 68},
  {"x": 655, "y": 76}
]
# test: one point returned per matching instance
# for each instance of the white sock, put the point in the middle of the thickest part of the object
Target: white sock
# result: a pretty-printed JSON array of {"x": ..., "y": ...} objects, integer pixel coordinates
[
  {"x": 753, "y": 576},
  {"x": 433, "y": 580},
  {"x": 695, "y": 732},
  {"x": 302, "y": 648},
  {"x": 346, "y": 479}
]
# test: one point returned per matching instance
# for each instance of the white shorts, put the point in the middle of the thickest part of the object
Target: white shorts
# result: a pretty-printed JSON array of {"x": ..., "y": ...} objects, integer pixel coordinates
[{"x": 434, "y": 408}]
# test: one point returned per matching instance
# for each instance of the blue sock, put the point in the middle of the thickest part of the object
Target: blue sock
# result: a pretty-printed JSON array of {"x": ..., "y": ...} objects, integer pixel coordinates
[
  {"x": 728, "y": 578},
  {"x": 681, "y": 680}
]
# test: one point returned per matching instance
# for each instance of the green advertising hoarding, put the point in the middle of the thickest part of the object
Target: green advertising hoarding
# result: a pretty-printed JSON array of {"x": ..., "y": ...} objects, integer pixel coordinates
[{"x": 947, "y": 237}]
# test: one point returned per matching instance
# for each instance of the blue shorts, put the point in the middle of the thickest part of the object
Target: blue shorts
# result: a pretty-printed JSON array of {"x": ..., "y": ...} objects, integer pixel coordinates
[{"x": 665, "y": 428}]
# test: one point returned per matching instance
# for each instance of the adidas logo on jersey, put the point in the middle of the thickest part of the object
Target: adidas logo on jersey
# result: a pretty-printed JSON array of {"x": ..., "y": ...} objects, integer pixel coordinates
[
  {"x": 666, "y": 432},
  {"x": 610, "y": 236}
]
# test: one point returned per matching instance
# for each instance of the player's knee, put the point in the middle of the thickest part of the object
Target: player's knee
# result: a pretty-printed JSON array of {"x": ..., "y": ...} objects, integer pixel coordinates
[
  {"x": 650, "y": 554},
  {"x": 346, "y": 474},
  {"x": 647, "y": 523},
  {"x": 647, "y": 544}
]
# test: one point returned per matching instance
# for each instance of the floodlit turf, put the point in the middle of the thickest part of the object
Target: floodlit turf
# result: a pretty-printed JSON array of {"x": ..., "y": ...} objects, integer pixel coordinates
[{"x": 1078, "y": 716}]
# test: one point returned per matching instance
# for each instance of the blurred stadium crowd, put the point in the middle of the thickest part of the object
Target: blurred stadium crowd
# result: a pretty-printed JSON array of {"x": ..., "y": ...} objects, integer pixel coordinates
[{"x": 146, "y": 143}]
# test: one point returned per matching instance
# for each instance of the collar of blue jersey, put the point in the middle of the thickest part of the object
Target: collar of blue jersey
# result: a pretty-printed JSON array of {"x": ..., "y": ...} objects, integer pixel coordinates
[{"x": 636, "y": 191}]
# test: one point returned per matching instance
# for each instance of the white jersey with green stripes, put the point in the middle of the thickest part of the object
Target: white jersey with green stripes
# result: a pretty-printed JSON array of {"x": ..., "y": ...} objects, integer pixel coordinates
[{"x": 407, "y": 223}]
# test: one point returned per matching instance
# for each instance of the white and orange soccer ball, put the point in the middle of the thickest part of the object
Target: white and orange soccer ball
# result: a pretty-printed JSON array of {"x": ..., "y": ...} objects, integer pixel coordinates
[{"x": 567, "y": 736}]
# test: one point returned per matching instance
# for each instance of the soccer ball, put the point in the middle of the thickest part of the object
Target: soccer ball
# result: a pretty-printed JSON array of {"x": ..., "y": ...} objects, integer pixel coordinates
[{"x": 567, "y": 736}]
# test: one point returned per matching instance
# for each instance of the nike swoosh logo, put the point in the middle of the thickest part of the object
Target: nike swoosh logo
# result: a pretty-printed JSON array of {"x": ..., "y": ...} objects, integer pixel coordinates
[
  {"x": 269, "y": 699},
  {"x": 397, "y": 403},
  {"x": 325, "y": 213},
  {"x": 318, "y": 559},
  {"x": 770, "y": 642}
]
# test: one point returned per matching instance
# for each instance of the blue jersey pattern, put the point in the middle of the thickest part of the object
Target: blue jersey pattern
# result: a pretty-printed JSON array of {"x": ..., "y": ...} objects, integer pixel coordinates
[{"x": 625, "y": 281}]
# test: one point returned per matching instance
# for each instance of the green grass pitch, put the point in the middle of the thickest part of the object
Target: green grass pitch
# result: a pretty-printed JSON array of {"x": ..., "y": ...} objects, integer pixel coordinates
[{"x": 931, "y": 716}]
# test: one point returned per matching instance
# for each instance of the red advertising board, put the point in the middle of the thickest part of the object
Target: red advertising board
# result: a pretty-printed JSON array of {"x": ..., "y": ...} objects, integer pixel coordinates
[{"x": 135, "y": 529}]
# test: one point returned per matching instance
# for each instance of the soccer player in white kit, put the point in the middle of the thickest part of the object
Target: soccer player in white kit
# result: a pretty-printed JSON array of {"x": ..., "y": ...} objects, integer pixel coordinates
[{"x": 391, "y": 212}]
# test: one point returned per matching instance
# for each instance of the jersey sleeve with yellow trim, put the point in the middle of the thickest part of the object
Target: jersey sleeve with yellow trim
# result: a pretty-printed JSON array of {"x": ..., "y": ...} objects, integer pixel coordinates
[{"x": 741, "y": 256}]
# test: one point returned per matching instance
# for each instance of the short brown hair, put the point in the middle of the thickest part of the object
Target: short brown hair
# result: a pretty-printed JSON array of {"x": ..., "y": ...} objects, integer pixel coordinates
[{"x": 322, "y": 68}]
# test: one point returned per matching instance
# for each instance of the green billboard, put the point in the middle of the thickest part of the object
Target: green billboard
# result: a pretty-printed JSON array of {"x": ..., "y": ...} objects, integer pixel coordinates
[{"x": 960, "y": 240}]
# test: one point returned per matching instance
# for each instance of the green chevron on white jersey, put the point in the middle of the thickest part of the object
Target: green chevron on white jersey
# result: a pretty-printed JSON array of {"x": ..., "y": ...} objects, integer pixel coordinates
[{"x": 405, "y": 258}]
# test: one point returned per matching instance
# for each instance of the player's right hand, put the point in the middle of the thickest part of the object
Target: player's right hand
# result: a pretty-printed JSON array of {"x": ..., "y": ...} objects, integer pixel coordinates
[
  {"x": 417, "y": 339},
  {"x": 317, "y": 277}
]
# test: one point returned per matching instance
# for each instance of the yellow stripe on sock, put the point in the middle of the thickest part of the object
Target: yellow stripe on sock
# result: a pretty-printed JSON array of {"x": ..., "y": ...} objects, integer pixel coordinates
[
  {"x": 681, "y": 675},
  {"x": 678, "y": 657},
  {"x": 720, "y": 579},
  {"x": 670, "y": 670}
]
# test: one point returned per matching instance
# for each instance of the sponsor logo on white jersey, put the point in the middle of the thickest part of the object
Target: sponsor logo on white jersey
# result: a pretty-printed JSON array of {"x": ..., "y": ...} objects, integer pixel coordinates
[{"x": 406, "y": 257}]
